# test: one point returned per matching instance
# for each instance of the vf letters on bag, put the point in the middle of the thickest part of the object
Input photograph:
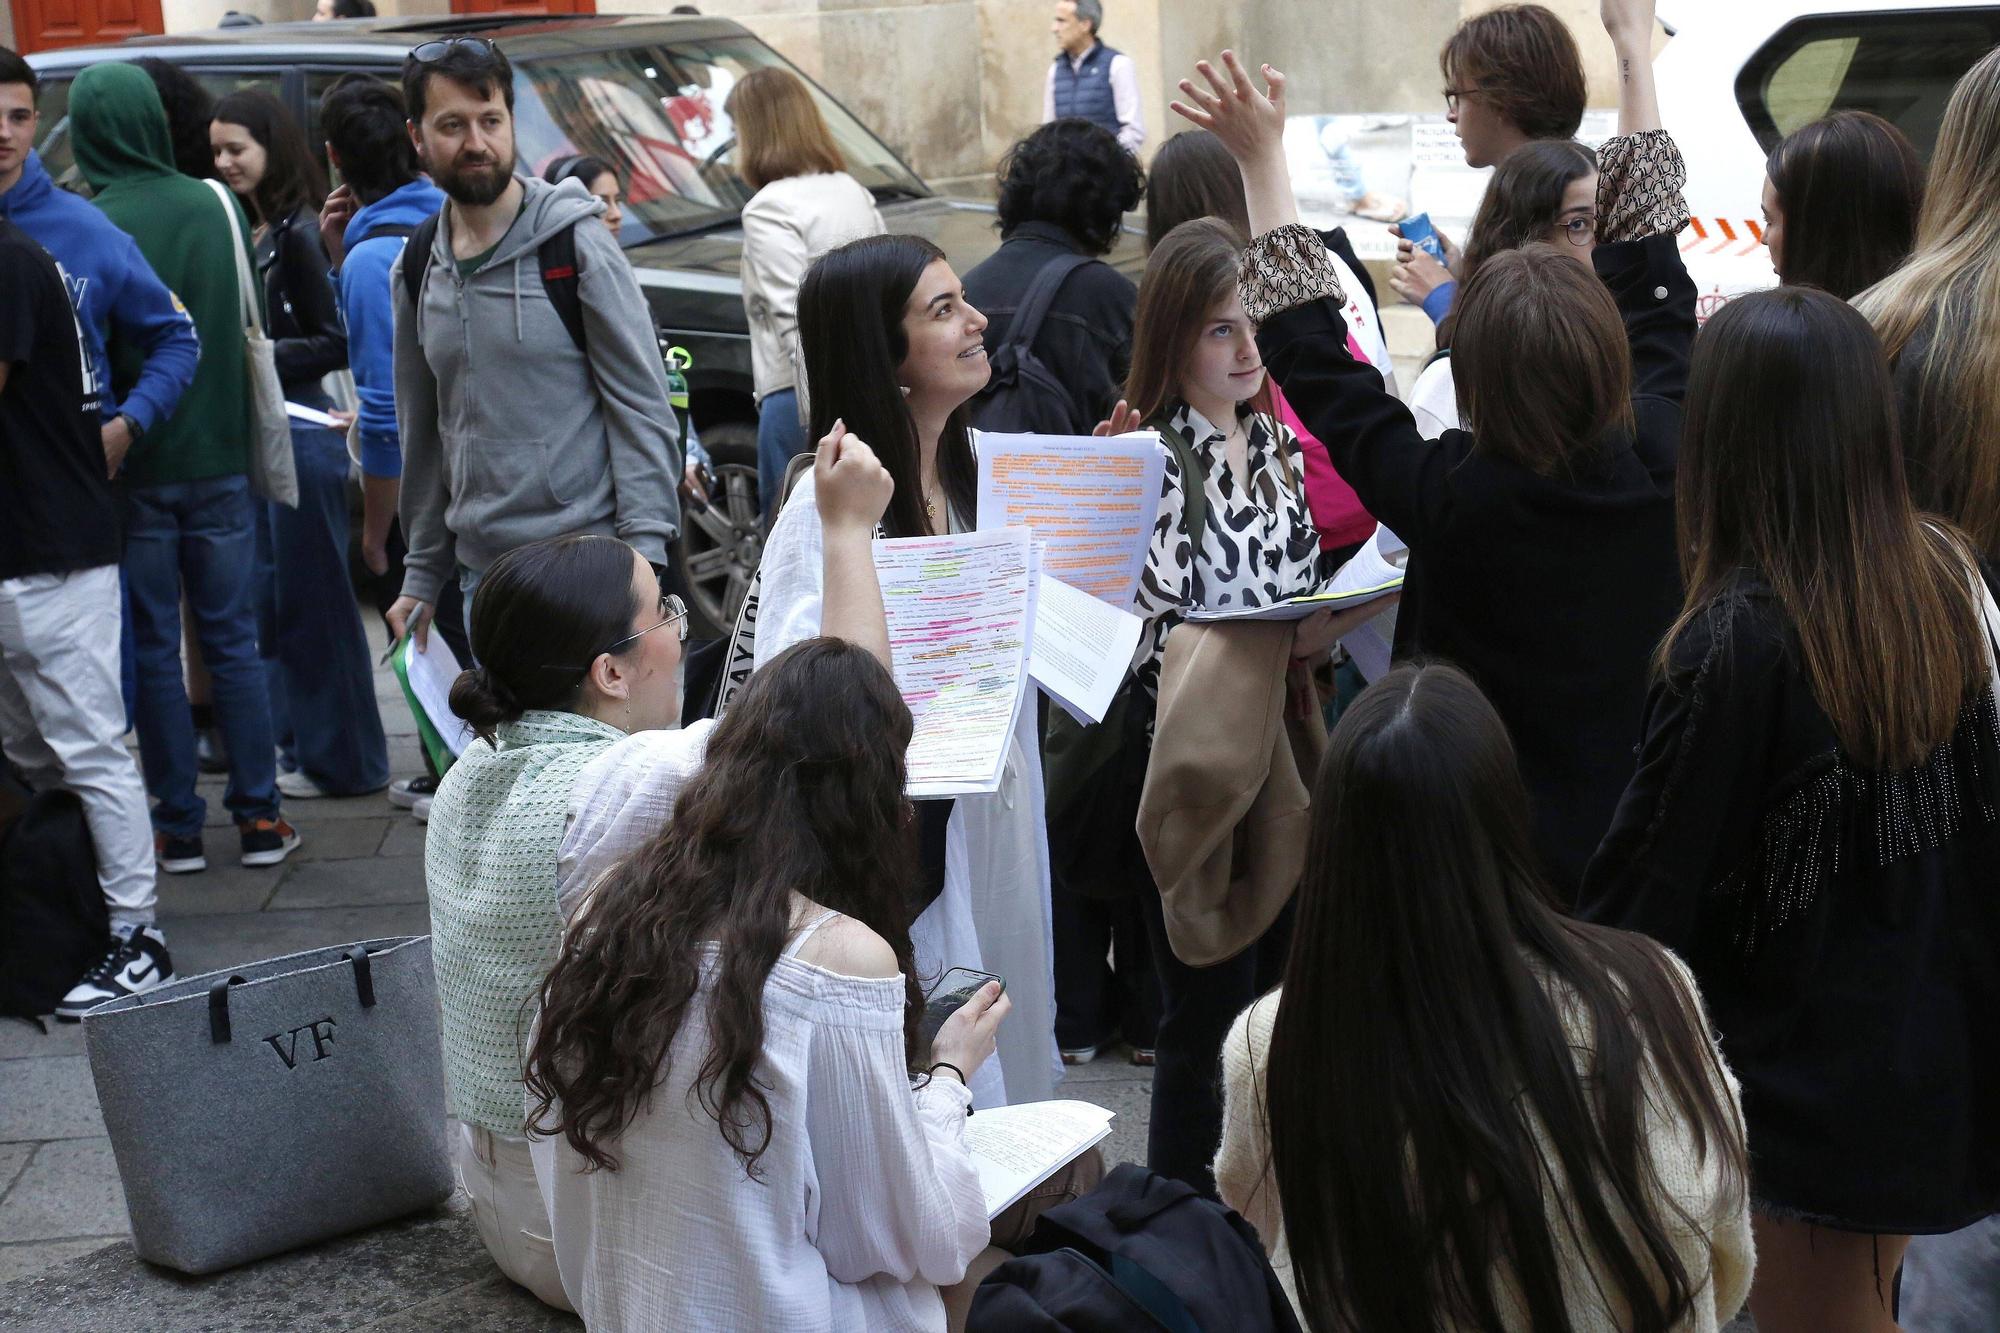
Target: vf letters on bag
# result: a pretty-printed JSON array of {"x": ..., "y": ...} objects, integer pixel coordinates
[{"x": 286, "y": 1044}]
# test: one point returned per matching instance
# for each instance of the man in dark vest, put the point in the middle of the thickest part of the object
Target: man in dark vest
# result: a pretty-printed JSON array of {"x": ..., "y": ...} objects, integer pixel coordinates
[{"x": 1090, "y": 80}]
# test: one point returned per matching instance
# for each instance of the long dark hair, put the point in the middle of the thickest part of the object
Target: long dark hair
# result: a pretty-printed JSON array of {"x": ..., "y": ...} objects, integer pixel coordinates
[
  {"x": 1420, "y": 1067},
  {"x": 540, "y": 617},
  {"x": 801, "y": 792},
  {"x": 189, "y": 108},
  {"x": 851, "y": 334},
  {"x": 1195, "y": 266},
  {"x": 1849, "y": 187},
  {"x": 1521, "y": 204},
  {"x": 292, "y": 176},
  {"x": 1193, "y": 176},
  {"x": 1790, "y": 472}
]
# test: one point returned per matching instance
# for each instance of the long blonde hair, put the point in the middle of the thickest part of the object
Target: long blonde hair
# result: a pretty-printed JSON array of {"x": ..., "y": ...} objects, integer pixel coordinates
[{"x": 1951, "y": 285}]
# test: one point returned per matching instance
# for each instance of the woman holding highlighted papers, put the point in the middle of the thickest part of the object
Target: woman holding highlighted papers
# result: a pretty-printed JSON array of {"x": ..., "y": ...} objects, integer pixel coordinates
[
  {"x": 893, "y": 350},
  {"x": 1234, "y": 531}
]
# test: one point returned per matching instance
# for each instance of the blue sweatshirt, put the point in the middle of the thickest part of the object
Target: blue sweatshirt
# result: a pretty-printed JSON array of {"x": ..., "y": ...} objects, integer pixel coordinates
[
  {"x": 113, "y": 289},
  {"x": 367, "y": 307}
]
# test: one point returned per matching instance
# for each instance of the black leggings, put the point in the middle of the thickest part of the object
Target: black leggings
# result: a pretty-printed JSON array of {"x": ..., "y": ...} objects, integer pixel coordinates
[{"x": 1197, "y": 1006}]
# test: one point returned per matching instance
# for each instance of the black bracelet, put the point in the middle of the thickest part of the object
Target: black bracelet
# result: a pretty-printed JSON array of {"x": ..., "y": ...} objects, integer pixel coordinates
[{"x": 963, "y": 1081}]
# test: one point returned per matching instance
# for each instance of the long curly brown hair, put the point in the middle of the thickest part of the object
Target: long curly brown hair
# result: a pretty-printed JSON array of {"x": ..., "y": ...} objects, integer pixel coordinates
[{"x": 801, "y": 792}]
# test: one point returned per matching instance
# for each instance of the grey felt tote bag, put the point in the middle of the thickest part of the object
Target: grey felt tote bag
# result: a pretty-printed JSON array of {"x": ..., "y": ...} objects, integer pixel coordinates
[{"x": 266, "y": 1107}]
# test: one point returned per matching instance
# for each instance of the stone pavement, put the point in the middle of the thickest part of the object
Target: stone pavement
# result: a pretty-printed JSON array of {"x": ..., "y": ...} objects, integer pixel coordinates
[{"x": 64, "y": 1261}]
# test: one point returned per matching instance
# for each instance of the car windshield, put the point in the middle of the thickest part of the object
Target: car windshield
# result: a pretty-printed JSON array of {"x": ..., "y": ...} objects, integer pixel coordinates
[{"x": 657, "y": 115}]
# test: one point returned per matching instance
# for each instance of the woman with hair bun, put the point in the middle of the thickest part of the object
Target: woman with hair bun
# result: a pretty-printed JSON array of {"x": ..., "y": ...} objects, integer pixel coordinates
[{"x": 579, "y": 760}]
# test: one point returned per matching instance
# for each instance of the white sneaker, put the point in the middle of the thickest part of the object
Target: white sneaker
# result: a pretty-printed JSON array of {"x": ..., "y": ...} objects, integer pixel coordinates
[
  {"x": 300, "y": 787},
  {"x": 407, "y": 792},
  {"x": 136, "y": 963},
  {"x": 421, "y": 810}
]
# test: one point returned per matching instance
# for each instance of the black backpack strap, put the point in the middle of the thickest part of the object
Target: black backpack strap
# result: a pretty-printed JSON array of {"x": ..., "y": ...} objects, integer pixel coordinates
[
  {"x": 557, "y": 257},
  {"x": 386, "y": 229},
  {"x": 422, "y": 237},
  {"x": 1034, "y": 307}
]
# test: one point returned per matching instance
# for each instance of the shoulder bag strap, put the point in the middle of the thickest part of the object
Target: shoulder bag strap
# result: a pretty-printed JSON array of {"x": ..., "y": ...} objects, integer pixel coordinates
[
  {"x": 252, "y": 316},
  {"x": 1041, "y": 295}
]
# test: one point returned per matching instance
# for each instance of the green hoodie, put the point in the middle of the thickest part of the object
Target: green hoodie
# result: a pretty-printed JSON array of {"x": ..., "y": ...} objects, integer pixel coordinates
[{"x": 119, "y": 131}]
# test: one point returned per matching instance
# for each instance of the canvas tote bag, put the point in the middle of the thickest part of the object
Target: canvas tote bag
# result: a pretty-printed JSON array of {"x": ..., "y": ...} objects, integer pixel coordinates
[
  {"x": 274, "y": 473},
  {"x": 261, "y": 1108}
]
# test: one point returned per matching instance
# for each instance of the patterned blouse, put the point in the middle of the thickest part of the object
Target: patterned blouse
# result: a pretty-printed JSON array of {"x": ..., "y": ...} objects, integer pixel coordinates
[{"x": 1258, "y": 542}]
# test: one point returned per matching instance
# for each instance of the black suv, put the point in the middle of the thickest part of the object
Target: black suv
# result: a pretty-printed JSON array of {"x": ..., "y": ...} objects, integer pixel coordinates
[{"x": 645, "y": 94}]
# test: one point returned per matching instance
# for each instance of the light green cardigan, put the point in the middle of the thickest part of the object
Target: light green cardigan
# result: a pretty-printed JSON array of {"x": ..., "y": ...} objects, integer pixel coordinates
[{"x": 496, "y": 826}]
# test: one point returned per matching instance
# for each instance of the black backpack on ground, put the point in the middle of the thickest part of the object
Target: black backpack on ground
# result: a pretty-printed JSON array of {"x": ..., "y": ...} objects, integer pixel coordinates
[
  {"x": 53, "y": 922},
  {"x": 1024, "y": 396},
  {"x": 556, "y": 257},
  {"x": 1140, "y": 1252}
]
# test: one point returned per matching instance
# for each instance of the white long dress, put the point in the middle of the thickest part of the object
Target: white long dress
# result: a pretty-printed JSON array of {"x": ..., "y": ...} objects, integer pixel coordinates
[{"x": 993, "y": 914}]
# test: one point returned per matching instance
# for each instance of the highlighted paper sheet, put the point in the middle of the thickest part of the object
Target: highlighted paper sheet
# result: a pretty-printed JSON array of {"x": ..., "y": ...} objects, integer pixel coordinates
[
  {"x": 959, "y": 612},
  {"x": 1091, "y": 501},
  {"x": 1368, "y": 576},
  {"x": 1015, "y": 1148},
  {"x": 427, "y": 677},
  {"x": 1082, "y": 648}
]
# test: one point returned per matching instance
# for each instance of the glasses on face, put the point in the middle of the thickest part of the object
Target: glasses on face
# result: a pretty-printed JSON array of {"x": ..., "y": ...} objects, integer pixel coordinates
[
  {"x": 429, "y": 53},
  {"x": 1451, "y": 96},
  {"x": 1580, "y": 229},
  {"x": 672, "y": 611}
]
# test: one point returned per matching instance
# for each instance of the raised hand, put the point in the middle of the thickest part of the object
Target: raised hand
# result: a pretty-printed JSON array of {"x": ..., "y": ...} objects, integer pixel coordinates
[
  {"x": 1124, "y": 419},
  {"x": 850, "y": 485},
  {"x": 1250, "y": 124}
]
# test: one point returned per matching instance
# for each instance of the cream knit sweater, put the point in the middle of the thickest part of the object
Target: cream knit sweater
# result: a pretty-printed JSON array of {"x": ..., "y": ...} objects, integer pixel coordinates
[{"x": 1722, "y": 1249}]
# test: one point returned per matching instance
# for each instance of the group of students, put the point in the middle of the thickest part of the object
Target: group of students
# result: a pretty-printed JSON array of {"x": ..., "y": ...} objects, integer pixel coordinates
[
  {"x": 1638, "y": 964},
  {"x": 1640, "y": 958}
]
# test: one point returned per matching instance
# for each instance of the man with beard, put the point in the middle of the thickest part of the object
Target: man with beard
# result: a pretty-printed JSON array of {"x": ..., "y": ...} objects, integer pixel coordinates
[{"x": 515, "y": 425}]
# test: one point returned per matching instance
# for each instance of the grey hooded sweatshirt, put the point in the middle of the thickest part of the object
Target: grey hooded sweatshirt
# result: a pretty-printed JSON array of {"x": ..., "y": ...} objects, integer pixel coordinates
[{"x": 509, "y": 435}]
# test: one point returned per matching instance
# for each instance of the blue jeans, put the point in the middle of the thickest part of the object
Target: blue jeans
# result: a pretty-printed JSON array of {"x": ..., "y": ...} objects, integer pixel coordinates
[
  {"x": 201, "y": 534},
  {"x": 315, "y": 651},
  {"x": 780, "y": 438}
]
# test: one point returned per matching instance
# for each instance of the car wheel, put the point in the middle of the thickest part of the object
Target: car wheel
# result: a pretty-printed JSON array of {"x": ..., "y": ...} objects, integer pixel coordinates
[{"x": 720, "y": 546}]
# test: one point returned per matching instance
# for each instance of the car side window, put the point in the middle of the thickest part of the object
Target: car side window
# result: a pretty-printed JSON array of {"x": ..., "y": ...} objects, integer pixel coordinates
[{"x": 1900, "y": 66}]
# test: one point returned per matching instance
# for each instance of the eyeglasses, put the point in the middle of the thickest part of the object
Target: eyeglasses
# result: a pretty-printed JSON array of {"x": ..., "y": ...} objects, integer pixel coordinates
[
  {"x": 429, "y": 53},
  {"x": 1582, "y": 229},
  {"x": 672, "y": 610},
  {"x": 1451, "y": 96}
]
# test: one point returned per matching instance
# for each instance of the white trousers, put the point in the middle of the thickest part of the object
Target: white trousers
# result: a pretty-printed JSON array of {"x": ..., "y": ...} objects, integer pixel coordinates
[
  {"x": 497, "y": 1173},
  {"x": 62, "y": 720}
]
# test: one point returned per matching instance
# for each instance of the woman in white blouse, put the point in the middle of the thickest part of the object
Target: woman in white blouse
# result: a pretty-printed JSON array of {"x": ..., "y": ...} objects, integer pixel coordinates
[
  {"x": 744, "y": 1131},
  {"x": 893, "y": 349},
  {"x": 805, "y": 204}
]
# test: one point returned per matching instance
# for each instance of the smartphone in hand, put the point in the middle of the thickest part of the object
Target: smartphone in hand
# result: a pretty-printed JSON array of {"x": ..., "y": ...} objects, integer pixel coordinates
[
  {"x": 954, "y": 988},
  {"x": 1418, "y": 231}
]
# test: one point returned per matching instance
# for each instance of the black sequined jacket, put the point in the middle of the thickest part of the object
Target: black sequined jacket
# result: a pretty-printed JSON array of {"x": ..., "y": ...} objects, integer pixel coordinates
[{"x": 1844, "y": 926}]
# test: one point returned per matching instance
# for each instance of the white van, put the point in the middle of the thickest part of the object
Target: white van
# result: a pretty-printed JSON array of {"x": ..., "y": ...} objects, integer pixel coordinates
[{"x": 1738, "y": 75}]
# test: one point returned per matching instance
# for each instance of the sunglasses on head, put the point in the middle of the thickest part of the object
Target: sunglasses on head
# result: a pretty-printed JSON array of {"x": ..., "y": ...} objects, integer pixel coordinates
[{"x": 429, "y": 53}]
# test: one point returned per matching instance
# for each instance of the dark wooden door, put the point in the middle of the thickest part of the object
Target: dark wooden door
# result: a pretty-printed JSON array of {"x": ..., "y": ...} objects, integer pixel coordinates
[{"x": 41, "y": 24}]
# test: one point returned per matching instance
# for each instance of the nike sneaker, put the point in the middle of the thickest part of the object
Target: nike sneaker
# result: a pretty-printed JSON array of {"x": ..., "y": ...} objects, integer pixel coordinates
[{"x": 136, "y": 963}]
